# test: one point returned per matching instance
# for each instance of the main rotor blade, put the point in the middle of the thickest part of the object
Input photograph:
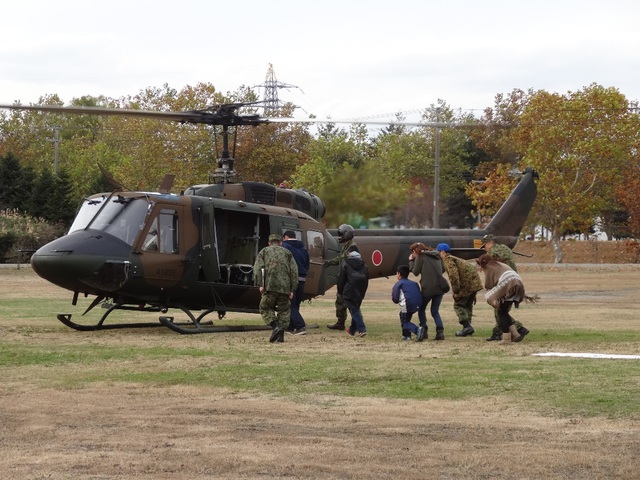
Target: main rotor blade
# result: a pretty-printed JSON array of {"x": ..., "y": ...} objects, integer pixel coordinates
[
  {"x": 373, "y": 122},
  {"x": 217, "y": 115},
  {"x": 225, "y": 114}
]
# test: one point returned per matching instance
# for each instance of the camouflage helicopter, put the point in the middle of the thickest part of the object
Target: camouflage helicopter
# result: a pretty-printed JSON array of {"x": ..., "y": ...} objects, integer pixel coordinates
[{"x": 194, "y": 252}]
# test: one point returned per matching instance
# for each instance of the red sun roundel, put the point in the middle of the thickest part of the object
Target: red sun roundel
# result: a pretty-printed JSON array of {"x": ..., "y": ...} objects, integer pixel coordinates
[{"x": 376, "y": 257}]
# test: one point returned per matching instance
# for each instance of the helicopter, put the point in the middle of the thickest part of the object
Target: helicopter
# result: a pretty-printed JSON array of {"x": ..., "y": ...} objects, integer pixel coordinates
[{"x": 194, "y": 252}]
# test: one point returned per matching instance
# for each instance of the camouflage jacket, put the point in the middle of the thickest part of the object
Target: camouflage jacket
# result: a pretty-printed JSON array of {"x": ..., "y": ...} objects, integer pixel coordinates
[
  {"x": 338, "y": 259},
  {"x": 280, "y": 270},
  {"x": 503, "y": 254},
  {"x": 463, "y": 277}
]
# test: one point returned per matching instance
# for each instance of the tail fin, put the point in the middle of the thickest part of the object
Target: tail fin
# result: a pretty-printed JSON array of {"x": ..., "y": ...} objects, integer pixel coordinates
[{"x": 512, "y": 215}]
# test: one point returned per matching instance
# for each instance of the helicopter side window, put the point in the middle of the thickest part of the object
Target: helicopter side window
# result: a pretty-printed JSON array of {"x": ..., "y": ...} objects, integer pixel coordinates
[
  {"x": 163, "y": 233},
  {"x": 315, "y": 242}
]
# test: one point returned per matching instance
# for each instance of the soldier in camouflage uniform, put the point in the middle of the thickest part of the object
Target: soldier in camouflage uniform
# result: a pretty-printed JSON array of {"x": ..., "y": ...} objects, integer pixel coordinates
[
  {"x": 276, "y": 273},
  {"x": 465, "y": 284},
  {"x": 503, "y": 254},
  {"x": 345, "y": 237}
]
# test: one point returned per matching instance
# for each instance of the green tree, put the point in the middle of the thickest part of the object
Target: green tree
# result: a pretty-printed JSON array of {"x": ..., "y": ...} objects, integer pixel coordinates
[
  {"x": 408, "y": 156},
  {"x": 16, "y": 183},
  {"x": 30, "y": 135},
  {"x": 271, "y": 153},
  {"x": 329, "y": 153},
  {"x": 10, "y": 181},
  {"x": 404, "y": 158},
  {"x": 39, "y": 204},
  {"x": 360, "y": 192}
]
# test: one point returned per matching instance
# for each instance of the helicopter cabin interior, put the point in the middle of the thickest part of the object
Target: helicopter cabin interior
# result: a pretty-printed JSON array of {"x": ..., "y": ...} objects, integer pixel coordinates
[
  {"x": 231, "y": 246},
  {"x": 238, "y": 240}
]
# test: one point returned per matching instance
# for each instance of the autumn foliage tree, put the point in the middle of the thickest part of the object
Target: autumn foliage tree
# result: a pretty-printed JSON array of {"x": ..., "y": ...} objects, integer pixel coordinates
[
  {"x": 628, "y": 195},
  {"x": 578, "y": 143}
]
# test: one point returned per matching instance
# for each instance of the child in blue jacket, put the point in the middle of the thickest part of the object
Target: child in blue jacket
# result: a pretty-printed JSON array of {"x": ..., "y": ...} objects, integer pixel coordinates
[{"x": 407, "y": 294}]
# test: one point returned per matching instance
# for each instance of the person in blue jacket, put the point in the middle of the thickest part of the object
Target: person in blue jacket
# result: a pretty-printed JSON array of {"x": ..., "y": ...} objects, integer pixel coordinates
[
  {"x": 297, "y": 325},
  {"x": 407, "y": 294}
]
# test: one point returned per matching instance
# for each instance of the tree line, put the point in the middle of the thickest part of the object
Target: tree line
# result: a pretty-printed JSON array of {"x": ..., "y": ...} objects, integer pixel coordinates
[{"x": 584, "y": 145}]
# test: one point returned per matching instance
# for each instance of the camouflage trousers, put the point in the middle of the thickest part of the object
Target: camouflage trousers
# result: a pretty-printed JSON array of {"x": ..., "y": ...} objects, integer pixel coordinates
[
  {"x": 463, "y": 307},
  {"x": 341, "y": 309},
  {"x": 276, "y": 307}
]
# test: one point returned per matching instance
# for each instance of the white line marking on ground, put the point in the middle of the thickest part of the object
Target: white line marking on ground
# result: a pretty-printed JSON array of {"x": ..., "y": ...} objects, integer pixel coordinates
[{"x": 587, "y": 355}]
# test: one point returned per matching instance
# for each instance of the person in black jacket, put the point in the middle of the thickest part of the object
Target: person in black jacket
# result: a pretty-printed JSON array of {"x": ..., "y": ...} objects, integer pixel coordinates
[{"x": 353, "y": 282}]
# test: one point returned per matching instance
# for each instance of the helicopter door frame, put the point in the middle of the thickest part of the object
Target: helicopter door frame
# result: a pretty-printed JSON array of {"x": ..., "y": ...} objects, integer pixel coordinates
[{"x": 209, "y": 259}]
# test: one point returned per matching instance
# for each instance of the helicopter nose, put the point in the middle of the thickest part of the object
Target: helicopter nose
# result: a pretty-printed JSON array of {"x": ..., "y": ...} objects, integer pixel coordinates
[{"x": 71, "y": 262}]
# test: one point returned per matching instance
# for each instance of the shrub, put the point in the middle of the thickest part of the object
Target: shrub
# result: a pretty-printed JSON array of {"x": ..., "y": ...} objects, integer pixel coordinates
[{"x": 22, "y": 232}]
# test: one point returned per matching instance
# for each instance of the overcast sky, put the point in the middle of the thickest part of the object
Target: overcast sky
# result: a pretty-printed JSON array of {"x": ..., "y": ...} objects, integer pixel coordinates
[{"x": 350, "y": 59}]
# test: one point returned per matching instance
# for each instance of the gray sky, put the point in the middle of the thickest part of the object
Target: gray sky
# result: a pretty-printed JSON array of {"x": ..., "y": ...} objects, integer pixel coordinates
[{"x": 351, "y": 59}]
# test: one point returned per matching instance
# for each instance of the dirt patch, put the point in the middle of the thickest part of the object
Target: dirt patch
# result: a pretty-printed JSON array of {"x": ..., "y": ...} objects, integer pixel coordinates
[{"x": 122, "y": 431}]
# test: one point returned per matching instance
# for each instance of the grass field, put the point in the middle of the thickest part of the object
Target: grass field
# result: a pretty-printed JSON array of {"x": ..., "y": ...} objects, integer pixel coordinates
[{"x": 152, "y": 403}]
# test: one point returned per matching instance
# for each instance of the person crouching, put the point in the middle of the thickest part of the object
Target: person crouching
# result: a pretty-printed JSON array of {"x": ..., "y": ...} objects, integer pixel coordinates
[{"x": 504, "y": 290}]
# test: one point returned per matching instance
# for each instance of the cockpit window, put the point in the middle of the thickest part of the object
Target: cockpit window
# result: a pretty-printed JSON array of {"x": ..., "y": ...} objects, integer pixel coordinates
[
  {"x": 90, "y": 207},
  {"x": 119, "y": 216}
]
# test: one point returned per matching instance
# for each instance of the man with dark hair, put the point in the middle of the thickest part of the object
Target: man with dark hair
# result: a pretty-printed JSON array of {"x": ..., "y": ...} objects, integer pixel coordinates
[
  {"x": 297, "y": 325},
  {"x": 276, "y": 274}
]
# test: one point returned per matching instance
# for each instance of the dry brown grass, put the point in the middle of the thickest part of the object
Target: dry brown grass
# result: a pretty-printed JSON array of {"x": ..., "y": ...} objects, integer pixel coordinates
[{"x": 109, "y": 431}]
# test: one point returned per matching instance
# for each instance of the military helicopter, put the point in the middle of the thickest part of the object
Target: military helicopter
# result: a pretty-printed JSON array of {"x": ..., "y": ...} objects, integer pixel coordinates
[{"x": 194, "y": 252}]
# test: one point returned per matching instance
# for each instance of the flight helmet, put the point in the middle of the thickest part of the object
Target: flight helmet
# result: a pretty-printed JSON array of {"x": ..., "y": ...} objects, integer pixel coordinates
[{"x": 345, "y": 233}]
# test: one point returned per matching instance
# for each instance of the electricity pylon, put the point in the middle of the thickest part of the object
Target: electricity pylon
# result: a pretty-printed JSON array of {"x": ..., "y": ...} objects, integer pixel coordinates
[{"x": 271, "y": 86}]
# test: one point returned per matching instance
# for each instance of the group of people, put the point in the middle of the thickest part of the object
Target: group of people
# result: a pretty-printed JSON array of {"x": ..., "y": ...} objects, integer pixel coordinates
[
  {"x": 280, "y": 272},
  {"x": 502, "y": 282}
]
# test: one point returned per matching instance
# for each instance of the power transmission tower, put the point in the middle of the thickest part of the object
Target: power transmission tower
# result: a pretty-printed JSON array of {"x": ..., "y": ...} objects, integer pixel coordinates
[{"x": 271, "y": 86}]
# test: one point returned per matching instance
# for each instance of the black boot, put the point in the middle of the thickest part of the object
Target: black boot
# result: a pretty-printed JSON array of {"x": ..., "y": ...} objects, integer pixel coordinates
[
  {"x": 523, "y": 332},
  {"x": 494, "y": 337},
  {"x": 339, "y": 325},
  {"x": 439, "y": 334},
  {"x": 277, "y": 330},
  {"x": 466, "y": 331}
]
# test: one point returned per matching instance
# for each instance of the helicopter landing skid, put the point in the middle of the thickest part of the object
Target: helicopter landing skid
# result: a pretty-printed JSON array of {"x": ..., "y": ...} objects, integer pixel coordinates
[
  {"x": 206, "y": 327},
  {"x": 196, "y": 326},
  {"x": 65, "y": 318}
]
